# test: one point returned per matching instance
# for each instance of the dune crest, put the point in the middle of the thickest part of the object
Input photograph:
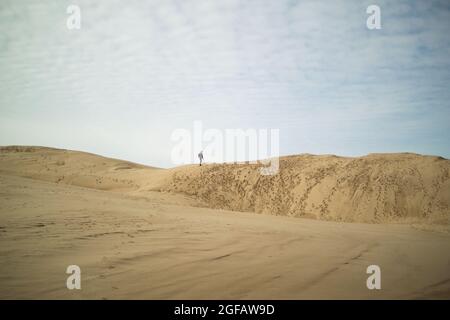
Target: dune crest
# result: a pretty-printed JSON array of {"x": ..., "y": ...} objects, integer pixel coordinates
[
  {"x": 377, "y": 188},
  {"x": 374, "y": 188}
]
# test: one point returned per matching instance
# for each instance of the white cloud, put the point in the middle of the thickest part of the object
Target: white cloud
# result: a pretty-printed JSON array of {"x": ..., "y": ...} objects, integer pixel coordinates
[{"x": 137, "y": 71}]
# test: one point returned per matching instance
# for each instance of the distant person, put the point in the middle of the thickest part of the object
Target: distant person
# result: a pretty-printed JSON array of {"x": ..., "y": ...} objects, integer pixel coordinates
[{"x": 200, "y": 157}]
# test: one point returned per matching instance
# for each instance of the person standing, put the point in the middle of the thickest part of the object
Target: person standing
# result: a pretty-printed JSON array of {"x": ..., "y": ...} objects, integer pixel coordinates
[{"x": 200, "y": 157}]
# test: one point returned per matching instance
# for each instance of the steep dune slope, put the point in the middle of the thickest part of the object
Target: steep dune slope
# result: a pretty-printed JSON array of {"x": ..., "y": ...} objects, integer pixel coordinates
[{"x": 375, "y": 188}]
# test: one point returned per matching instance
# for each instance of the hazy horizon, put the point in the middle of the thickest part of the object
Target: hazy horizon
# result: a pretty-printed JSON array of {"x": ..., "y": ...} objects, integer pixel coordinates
[{"x": 137, "y": 71}]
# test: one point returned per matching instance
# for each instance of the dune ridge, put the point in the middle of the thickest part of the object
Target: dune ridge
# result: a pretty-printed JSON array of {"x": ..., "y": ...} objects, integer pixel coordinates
[
  {"x": 373, "y": 188},
  {"x": 377, "y": 188}
]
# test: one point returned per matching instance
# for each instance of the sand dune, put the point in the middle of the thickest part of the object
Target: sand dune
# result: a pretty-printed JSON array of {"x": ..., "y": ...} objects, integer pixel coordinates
[
  {"x": 375, "y": 188},
  {"x": 140, "y": 232}
]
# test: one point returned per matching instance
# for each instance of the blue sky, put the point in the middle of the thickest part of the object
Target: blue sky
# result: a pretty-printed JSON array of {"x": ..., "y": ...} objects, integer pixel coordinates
[{"x": 138, "y": 70}]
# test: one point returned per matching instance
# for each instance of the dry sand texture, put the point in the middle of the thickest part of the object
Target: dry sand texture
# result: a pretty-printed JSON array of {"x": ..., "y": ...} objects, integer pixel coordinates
[{"x": 142, "y": 232}]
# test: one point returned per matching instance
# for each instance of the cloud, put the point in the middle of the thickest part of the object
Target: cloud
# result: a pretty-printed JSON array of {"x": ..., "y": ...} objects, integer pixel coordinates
[{"x": 137, "y": 71}]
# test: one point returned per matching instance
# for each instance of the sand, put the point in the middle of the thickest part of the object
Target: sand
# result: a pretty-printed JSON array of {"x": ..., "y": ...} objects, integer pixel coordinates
[{"x": 139, "y": 232}]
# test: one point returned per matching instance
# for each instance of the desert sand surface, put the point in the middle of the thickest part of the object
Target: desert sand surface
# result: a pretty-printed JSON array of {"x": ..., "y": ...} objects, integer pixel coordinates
[{"x": 223, "y": 231}]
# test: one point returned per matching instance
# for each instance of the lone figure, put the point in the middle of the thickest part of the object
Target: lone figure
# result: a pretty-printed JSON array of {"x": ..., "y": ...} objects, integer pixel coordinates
[{"x": 200, "y": 157}]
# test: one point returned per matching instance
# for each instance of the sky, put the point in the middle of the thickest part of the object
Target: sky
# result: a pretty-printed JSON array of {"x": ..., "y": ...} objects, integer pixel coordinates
[{"x": 138, "y": 70}]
